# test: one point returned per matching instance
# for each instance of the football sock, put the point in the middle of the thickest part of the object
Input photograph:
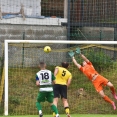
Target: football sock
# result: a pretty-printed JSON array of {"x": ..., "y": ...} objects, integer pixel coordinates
[
  {"x": 114, "y": 106},
  {"x": 112, "y": 89},
  {"x": 107, "y": 99},
  {"x": 38, "y": 105},
  {"x": 54, "y": 108},
  {"x": 40, "y": 112},
  {"x": 67, "y": 110},
  {"x": 57, "y": 115},
  {"x": 54, "y": 115},
  {"x": 113, "y": 92}
]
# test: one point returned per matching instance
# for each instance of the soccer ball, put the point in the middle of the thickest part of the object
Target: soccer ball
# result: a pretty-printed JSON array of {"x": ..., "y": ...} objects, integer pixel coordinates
[{"x": 47, "y": 49}]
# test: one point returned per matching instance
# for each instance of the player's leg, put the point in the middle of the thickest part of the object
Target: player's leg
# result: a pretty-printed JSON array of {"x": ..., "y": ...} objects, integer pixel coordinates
[
  {"x": 56, "y": 91},
  {"x": 55, "y": 110},
  {"x": 55, "y": 102},
  {"x": 50, "y": 97},
  {"x": 66, "y": 107},
  {"x": 40, "y": 98},
  {"x": 112, "y": 89},
  {"x": 64, "y": 99},
  {"x": 107, "y": 99},
  {"x": 98, "y": 86},
  {"x": 109, "y": 84}
]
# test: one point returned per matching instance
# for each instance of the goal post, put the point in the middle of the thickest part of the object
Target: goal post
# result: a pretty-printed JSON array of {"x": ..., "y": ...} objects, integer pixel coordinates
[{"x": 40, "y": 44}]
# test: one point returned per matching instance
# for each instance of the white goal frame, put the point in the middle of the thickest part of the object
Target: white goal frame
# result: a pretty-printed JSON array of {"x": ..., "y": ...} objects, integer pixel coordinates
[{"x": 6, "y": 42}]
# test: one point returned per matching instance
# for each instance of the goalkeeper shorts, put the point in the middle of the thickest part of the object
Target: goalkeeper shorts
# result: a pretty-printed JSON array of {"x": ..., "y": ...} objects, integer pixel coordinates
[{"x": 99, "y": 82}]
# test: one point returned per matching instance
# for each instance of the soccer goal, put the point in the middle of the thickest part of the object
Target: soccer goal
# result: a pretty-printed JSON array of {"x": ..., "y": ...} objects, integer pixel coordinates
[{"x": 21, "y": 64}]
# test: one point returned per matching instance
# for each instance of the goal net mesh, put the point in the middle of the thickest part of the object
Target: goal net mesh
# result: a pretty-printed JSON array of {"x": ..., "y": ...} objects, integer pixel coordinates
[{"x": 23, "y": 60}]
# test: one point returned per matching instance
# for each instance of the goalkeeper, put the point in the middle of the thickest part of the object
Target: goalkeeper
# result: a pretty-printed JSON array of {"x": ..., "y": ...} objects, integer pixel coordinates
[
  {"x": 44, "y": 79},
  {"x": 98, "y": 81}
]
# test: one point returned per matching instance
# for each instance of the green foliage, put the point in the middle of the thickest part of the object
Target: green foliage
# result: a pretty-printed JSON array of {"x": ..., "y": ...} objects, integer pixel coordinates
[
  {"x": 51, "y": 67},
  {"x": 1, "y": 108},
  {"x": 14, "y": 100},
  {"x": 13, "y": 103},
  {"x": 99, "y": 59},
  {"x": 24, "y": 93}
]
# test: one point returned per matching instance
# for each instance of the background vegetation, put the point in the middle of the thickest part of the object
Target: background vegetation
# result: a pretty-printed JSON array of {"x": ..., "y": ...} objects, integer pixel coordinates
[{"x": 82, "y": 97}]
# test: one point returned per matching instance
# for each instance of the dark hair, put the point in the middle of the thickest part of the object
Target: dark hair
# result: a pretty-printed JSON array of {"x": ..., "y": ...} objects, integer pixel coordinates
[
  {"x": 65, "y": 64},
  {"x": 41, "y": 63}
]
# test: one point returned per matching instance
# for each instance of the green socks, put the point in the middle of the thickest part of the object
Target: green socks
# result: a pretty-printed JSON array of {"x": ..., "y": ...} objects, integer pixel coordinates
[
  {"x": 54, "y": 109},
  {"x": 38, "y": 106}
]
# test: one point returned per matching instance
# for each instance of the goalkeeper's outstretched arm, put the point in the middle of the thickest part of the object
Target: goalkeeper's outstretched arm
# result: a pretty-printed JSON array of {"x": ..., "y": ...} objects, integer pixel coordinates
[
  {"x": 78, "y": 51},
  {"x": 84, "y": 58},
  {"x": 76, "y": 63}
]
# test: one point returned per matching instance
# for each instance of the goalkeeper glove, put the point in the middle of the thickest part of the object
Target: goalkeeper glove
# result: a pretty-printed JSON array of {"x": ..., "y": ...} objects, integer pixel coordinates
[
  {"x": 78, "y": 51},
  {"x": 71, "y": 53}
]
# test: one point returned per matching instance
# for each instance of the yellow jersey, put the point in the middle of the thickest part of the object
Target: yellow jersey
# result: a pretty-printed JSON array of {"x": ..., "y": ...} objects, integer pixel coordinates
[{"x": 62, "y": 76}]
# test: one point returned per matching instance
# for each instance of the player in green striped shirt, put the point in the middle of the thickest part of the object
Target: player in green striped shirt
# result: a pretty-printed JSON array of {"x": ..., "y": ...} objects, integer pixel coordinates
[{"x": 45, "y": 80}]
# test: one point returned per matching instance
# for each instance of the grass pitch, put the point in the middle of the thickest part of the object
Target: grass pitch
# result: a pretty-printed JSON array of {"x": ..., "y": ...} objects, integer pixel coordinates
[{"x": 73, "y": 115}]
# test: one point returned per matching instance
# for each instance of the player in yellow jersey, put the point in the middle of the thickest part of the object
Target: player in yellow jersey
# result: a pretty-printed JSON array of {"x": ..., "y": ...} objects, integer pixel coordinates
[{"x": 62, "y": 82}]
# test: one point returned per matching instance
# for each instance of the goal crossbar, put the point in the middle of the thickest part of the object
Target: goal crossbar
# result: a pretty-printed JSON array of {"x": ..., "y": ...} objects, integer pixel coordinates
[
  {"x": 60, "y": 41},
  {"x": 6, "y": 42}
]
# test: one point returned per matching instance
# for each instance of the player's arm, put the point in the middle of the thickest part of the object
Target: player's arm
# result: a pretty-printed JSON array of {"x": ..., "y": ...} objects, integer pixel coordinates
[
  {"x": 76, "y": 63},
  {"x": 56, "y": 71},
  {"x": 53, "y": 79},
  {"x": 69, "y": 81},
  {"x": 78, "y": 51},
  {"x": 71, "y": 54},
  {"x": 84, "y": 58},
  {"x": 37, "y": 81}
]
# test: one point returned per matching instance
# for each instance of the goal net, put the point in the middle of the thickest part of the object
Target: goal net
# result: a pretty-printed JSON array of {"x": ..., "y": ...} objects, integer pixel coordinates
[{"x": 21, "y": 65}]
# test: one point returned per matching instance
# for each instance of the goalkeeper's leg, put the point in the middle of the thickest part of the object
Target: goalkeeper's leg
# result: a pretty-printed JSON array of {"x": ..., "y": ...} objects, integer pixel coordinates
[
  {"x": 99, "y": 88},
  {"x": 107, "y": 99},
  {"x": 112, "y": 89}
]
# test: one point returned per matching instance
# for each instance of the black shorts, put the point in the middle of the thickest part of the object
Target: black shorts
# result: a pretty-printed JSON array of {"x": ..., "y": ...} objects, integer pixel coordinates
[{"x": 60, "y": 91}]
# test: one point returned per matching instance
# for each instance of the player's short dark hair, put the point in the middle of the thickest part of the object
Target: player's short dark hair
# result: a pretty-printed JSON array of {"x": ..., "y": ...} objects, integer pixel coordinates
[
  {"x": 65, "y": 64},
  {"x": 41, "y": 63}
]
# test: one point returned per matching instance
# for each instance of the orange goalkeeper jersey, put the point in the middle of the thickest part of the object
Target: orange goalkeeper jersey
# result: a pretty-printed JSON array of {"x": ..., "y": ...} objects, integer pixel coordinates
[{"x": 88, "y": 70}]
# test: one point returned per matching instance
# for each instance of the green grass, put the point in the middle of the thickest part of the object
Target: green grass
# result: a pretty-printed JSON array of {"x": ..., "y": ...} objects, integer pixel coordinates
[
  {"x": 74, "y": 115},
  {"x": 23, "y": 93}
]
